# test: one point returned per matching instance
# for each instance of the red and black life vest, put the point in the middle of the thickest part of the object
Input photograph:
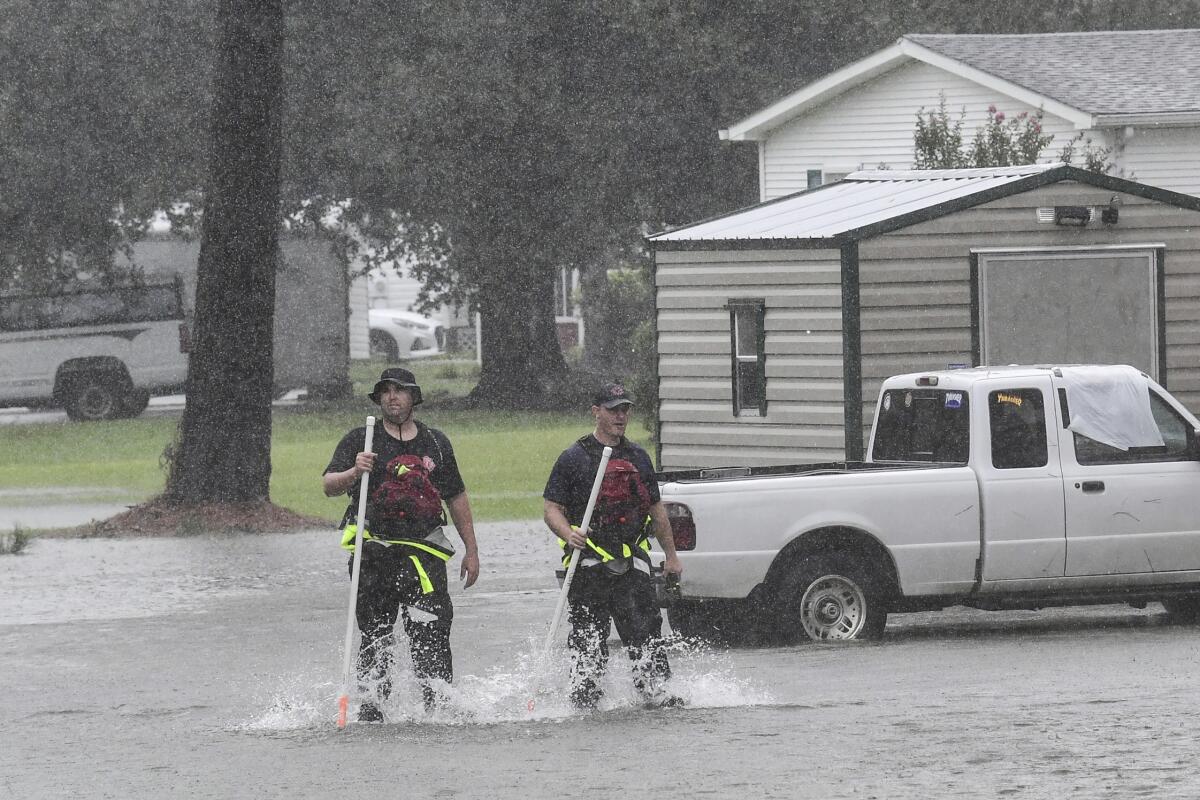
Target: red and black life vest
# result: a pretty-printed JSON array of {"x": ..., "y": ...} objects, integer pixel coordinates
[
  {"x": 620, "y": 525},
  {"x": 406, "y": 503}
]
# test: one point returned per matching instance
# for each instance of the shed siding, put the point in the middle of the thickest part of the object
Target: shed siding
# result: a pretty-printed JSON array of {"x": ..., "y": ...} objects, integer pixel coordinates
[
  {"x": 802, "y": 293},
  {"x": 915, "y": 283},
  {"x": 873, "y": 124},
  {"x": 1166, "y": 157}
]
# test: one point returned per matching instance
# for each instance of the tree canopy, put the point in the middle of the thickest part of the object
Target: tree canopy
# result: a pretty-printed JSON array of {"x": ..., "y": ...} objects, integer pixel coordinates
[{"x": 523, "y": 135}]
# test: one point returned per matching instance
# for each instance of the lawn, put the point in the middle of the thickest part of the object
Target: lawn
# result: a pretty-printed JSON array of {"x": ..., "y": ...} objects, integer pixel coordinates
[{"x": 504, "y": 457}]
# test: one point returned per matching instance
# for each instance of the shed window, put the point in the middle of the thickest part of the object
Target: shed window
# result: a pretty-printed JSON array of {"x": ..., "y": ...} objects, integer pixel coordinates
[
  {"x": 814, "y": 178},
  {"x": 749, "y": 357}
]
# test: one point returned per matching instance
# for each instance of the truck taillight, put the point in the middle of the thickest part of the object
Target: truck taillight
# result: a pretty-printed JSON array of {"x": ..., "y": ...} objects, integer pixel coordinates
[
  {"x": 683, "y": 527},
  {"x": 185, "y": 338}
]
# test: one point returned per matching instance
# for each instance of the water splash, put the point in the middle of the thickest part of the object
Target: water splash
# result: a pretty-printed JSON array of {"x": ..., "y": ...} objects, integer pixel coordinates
[{"x": 535, "y": 687}]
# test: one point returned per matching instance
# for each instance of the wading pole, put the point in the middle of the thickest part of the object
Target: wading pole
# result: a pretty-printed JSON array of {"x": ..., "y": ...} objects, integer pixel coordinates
[
  {"x": 344, "y": 700},
  {"x": 583, "y": 526}
]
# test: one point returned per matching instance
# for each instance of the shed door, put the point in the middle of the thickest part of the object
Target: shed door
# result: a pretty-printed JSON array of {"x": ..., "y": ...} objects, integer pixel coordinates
[{"x": 1070, "y": 307}]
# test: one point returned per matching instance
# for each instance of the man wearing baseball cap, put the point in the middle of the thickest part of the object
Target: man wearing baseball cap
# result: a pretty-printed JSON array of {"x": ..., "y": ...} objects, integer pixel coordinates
[
  {"x": 612, "y": 584},
  {"x": 404, "y": 553}
]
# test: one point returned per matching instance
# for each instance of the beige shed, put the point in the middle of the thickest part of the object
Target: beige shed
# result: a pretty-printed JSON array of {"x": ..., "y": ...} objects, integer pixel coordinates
[{"x": 777, "y": 324}]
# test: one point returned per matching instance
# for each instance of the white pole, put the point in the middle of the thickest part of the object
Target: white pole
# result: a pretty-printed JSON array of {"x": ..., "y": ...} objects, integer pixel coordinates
[
  {"x": 478, "y": 338},
  {"x": 344, "y": 700},
  {"x": 583, "y": 526}
]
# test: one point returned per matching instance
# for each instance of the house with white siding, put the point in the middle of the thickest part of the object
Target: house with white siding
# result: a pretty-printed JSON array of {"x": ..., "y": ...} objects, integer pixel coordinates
[
  {"x": 777, "y": 324},
  {"x": 1136, "y": 92}
]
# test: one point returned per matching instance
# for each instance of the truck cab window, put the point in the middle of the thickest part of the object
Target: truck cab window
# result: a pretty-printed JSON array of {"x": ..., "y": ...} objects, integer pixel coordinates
[
  {"x": 1017, "y": 419},
  {"x": 1174, "y": 430},
  {"x": 922, "y": 425}
]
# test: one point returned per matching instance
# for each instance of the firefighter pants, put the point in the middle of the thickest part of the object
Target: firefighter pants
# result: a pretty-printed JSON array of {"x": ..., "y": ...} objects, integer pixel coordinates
[
  {"x": 394, "y": 579},
  {"x": 599, "y": 599}
]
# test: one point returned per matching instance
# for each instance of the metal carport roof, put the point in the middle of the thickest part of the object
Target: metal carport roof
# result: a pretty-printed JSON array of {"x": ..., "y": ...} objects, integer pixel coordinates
[{"x": 870, "y": 202}]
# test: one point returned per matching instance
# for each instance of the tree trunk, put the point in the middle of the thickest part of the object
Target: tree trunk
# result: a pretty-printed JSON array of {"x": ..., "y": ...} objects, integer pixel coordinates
[
  {"x": 523, "y": 364},
  {"x": 223, "y": 452}
]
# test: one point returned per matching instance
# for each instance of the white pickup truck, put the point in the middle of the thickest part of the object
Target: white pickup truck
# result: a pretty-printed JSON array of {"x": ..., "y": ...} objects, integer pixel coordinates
[{"x": 997, "y": 488}]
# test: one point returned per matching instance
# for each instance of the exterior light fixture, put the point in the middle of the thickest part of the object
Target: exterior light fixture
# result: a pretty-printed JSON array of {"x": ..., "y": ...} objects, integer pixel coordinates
[{"x": 1110, "y": 215}]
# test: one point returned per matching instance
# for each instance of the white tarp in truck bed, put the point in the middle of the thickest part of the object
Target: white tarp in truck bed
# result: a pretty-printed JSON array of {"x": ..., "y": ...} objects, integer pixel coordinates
[{"x": 1111, "y": 405}]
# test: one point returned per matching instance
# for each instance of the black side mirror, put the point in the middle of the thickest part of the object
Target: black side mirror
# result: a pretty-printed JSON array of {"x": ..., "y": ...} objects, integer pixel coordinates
[{"x": 1194, "y": 444}]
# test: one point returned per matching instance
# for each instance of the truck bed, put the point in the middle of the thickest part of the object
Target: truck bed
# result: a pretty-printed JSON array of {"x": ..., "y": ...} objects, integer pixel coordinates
[{"x": 800, "y": 470}]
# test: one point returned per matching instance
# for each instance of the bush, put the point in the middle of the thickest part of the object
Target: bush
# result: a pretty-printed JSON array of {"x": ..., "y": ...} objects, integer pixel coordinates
[
  {"x": 619, "y": 312},
  {"x": 1002, "y": 141}
]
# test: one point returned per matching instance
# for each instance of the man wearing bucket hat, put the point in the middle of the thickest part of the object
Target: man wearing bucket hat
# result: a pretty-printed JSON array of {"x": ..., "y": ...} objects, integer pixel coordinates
[
  {"x": 405, "y": 549},
  {"x": 612, "y": 584}
]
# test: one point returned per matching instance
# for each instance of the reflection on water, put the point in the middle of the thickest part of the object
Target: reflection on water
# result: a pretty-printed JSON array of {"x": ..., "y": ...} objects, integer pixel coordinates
[{"x": 107, "y": 579}]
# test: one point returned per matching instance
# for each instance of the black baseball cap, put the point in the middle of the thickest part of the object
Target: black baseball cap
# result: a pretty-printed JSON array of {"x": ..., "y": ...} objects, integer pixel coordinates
[
  {"x": 611, "y": 395},
  {"x": 400, "y": 377}
]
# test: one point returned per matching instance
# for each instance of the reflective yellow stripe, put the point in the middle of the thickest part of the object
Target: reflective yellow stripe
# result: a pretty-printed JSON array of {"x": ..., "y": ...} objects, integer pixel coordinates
[
  {"x": 431, "y": 550},
  {"x": 604, "y": 554},
  {"x": 350, "y": 531},
  {"x": 626, "y": 552},
  {"x": 349, "y": 534},
  {"x": 426, "y": 584}
]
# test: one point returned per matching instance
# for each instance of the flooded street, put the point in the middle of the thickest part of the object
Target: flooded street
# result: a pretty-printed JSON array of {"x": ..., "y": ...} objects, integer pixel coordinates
[{"x": 208, "y": 667}]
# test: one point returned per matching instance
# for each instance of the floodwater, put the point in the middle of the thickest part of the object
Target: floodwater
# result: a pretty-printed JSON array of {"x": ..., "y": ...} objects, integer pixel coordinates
[{"x": 209, "y": 667}]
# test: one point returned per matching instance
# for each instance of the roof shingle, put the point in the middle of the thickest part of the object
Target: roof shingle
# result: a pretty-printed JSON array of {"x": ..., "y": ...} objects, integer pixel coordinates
[{"x": 1100, "y": 72}]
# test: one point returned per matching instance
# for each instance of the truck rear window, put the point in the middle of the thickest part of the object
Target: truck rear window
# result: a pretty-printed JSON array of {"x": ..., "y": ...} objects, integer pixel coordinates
[
  {"x": 101, "y": 306},
  {"x": 922, "y": 425}
]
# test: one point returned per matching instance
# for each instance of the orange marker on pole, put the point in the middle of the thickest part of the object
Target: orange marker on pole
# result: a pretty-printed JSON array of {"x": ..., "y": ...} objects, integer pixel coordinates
[{"x": 344, "y": 699}]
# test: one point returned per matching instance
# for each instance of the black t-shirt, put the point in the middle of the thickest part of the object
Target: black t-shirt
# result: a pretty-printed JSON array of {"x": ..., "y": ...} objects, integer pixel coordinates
[
  {"x": 429, "y": 443},
  {"x": 570, "y": 482}
]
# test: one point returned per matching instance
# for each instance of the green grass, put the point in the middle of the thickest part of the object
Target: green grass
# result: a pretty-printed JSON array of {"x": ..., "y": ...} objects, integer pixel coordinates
[{"x": 504, "y": 457}]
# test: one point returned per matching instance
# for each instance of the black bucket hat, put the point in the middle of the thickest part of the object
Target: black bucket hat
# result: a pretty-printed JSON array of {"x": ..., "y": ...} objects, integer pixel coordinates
[{"x": 400, "y": 377}]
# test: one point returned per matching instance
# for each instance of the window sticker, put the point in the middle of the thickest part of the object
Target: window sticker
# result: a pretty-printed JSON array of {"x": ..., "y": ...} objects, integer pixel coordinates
[
  {"x": 887, "y": 402},
  {"x": 1011, "y": 399},
  {"x": 953, "y": 399}
]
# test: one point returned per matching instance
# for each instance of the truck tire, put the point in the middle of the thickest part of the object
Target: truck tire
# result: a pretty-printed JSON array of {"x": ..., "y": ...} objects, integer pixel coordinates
[
  {"x": 134, "y": 402},
  {"x": 92, "y": 396},
  {"x": 1183, "y": 608},
  {"x": 830, "y": 598}
]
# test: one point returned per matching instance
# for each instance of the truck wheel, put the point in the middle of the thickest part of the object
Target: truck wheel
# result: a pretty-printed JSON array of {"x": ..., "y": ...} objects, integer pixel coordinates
[
  {"x": 134, "y": 402},
  {"x": 831, "y": 598},
  {"x": 1184, "y": 608},
  {"x": 91, "y": 397}
]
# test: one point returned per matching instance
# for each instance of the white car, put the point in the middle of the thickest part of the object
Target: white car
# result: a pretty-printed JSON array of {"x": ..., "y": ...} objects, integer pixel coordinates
[{"x": 401, "y": 335}]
